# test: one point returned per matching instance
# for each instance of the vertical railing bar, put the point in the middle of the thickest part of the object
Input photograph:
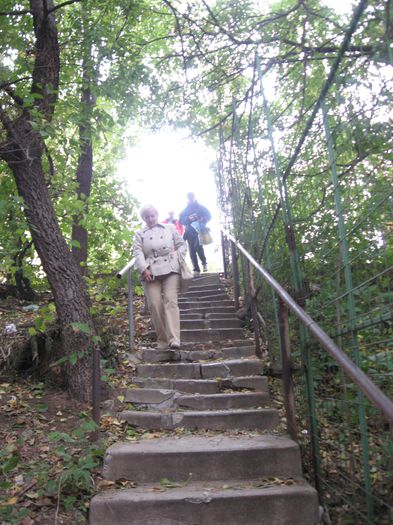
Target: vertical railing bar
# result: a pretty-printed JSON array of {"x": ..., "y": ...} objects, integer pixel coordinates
[
  {"x": 351, "y": 306},
  {"x": 288, "y": 386},
  {"x": 254, "y": 309},
  {"x": 299, "y": 287},
  {"x": 130, "y": 311},
  {"x": 235, "y": 277},
  {"x": 224, "y": 256},
  {"x": 96, "y": 389}
]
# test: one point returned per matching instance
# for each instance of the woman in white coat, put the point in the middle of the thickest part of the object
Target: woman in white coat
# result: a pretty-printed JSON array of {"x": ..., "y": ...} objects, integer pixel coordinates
[{"x": 157, "y": 248}]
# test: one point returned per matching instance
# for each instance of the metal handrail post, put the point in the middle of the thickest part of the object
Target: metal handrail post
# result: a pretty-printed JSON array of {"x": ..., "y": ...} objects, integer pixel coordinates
[
  {"x": 131, "y": 327},
  {"x": 286, "y": 359},
  {"x": 254, "y": 311},
  {"x": 130, "y": 301},
  {"x": 235, "y": 277},
  {"x": 224, "y": 256}
]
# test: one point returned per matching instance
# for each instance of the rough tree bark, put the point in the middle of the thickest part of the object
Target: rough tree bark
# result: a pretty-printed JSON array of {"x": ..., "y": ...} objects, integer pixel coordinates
[
  {"x": 84, "y": 172},
  {"x": 22, "y": 149}
]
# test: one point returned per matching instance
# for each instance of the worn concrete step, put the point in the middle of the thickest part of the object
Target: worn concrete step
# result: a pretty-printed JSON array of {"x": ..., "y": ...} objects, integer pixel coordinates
[
  {"x": 210, "y": 345},
  {"x": 223, "y": 369},
  {"x": 204, "y": 386},
  {"x": 185, "y": 316},
  {"x": 253, "y": 419},
  {"x": 295, "y": 504},
  {"x": 205, "y": 310},
  {"x": 200, "y": 299},
  {"x": 153, "y": 355},
  {"x": 257, "y": 383},
  {"x": 172, "y": 370},
  {"x": 212, "y": 458},
  {"x": 203, "y": 292},
  {"x": 223, "y": 315},
  {"x": 150, "y": 396},
  {"x": 203, "y": 324},
  {"x": 203, "y": 335},
  {"x": 232, "y": 368},
  {"x": 221, "y": 353},
  {"x": 223, "y": 401},
  {"x": 182, "y": 385},
  {"x": 165, "y": 399},
  {"x": 211, "y": 334},
  {"x": 202, "y": 287},
  {"x": 185, "y": 304},
  {"x": 207, "y": 279}
]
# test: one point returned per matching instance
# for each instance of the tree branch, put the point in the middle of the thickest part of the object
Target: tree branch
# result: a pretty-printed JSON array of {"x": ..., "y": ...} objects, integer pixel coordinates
[
  {"x": 47, "y": 57},
  {"x": 16, "y": 98},
  {"x": 15, "y": 13},
  {"x": 59, "y": 6}
]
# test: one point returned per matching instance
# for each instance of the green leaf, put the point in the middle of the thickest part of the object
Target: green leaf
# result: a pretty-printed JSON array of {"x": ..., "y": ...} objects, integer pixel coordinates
[
  {"x": 75, "y": 243},
  {"x": 73, "y": 358},
  {"x": 69, "y": 503},
  {"x": 81, "y": 327},
  {"x": 42, "y": 407},
  {"x": 10, "y": 463}
]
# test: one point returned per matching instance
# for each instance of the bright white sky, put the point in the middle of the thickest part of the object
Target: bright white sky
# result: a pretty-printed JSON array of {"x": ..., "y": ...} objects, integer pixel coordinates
[{"x": 165, "y": 166}]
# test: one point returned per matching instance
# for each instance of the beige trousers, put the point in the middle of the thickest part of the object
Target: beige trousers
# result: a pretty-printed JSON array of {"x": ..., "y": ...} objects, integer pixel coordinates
[{"x": 161, "y": 297}]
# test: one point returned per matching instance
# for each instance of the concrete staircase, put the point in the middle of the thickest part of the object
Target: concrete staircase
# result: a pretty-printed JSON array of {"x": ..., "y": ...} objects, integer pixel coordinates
[{"x": 228, "y": 469}]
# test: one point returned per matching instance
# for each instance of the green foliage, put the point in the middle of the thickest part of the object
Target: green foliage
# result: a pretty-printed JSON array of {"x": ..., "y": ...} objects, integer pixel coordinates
[{"x": 69, "y": 478}]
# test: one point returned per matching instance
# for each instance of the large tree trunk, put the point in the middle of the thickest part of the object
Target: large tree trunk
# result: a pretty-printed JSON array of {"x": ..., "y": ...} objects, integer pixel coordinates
[
  {"x": 66, "y": 282},
  {"x": 22, "y": 148}
]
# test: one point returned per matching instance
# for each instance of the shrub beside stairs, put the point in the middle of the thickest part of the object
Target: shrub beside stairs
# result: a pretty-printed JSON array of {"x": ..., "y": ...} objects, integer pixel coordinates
[{"x": 230, "y": 469}]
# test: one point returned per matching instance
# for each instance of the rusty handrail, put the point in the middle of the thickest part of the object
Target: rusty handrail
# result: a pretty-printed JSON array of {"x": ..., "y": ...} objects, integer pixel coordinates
[{"x": 368, "y": 387}]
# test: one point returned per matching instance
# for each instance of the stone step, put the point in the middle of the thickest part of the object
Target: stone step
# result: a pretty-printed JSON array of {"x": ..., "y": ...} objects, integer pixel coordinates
[
  {"x": 202, "y": 287},
  {"x": 185, "y": 316},
  {"x": 211, "y": 334},
  {"x": 219, "y": 315},
  {"x": 203, "y": 292},
  {"x": 150, "y": 396},
  {"x": 295, "y": 504},
  {"x": 207, "y": 279},
  {"x": 232, "y": 368},
  {"x": 164, "y": 400},
  {"x": 224, "y": 401},
  {"x": 204, "y": 335},
  {"x": 185, "y": 304},
  {"x": 238, "y": 458},
  {"x": 204, "y": 298},
  {"x": 221, "y": 353},
  {"x": 153, "y": 355},
  {"x": 190, "y": 386},
  {"x": 254, "y": 419},
  {"x": 222, "y": 369},
  {"x": 230, "y": 310},
  {"x": 201, "y": 324},
  {"x": 204, "y": 386}
]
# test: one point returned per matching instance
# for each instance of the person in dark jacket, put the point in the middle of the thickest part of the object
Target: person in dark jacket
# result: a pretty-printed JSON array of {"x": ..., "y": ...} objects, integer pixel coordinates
[{"x": 194, "y": 212}]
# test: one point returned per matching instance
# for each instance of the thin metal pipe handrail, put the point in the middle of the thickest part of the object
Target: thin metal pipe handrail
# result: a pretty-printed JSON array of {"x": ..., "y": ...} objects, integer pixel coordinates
[
  {"x": 127, "y": 267},
  {"x": 127, "y": 270},
  {"x": 370, "y": 389}
]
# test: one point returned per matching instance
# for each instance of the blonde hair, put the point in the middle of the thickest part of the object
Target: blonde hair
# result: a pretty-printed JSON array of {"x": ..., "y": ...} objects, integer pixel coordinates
[{"x": 146, "y": 208}]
